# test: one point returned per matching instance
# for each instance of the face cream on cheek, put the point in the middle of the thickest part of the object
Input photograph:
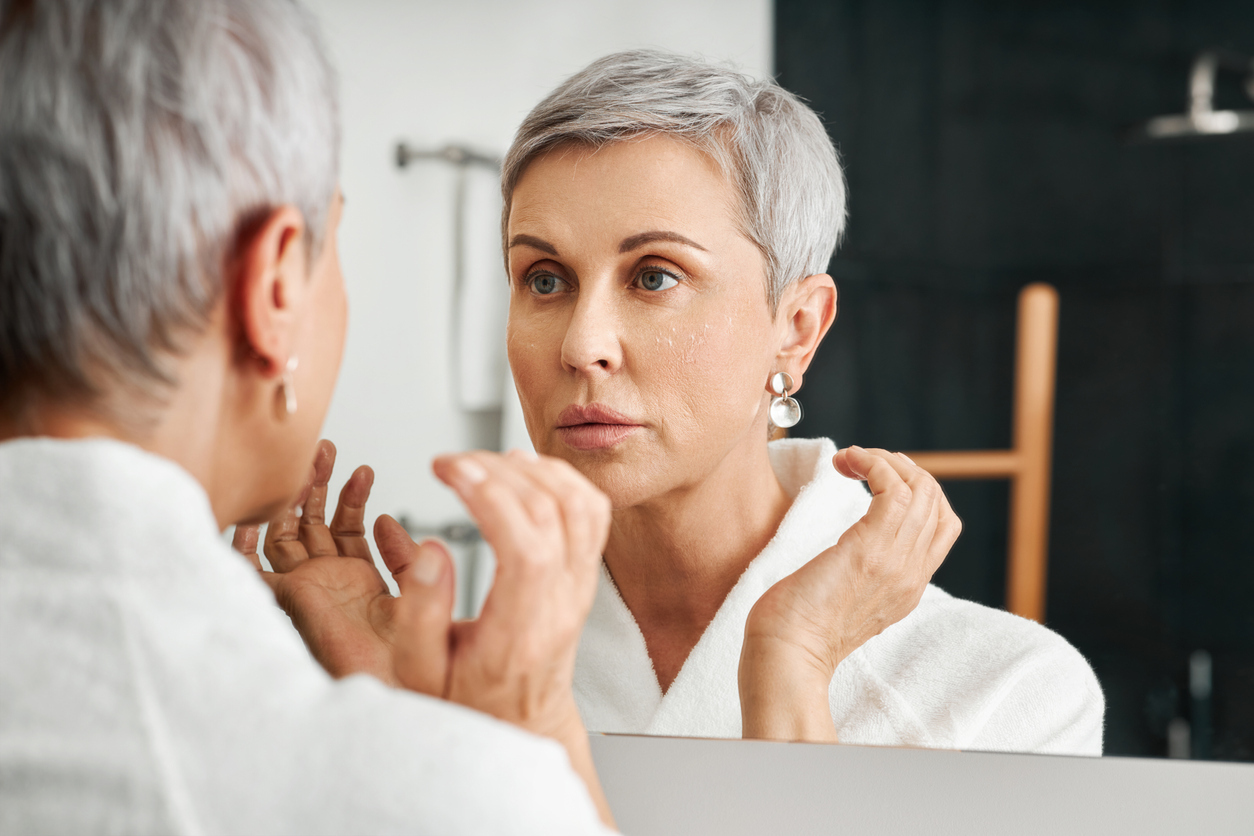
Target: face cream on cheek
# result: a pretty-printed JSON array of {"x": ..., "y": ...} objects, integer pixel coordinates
[{"x": 695, "y": 342}]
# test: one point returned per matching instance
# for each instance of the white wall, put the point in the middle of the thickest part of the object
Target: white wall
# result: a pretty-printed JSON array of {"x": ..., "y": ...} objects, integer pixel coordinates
[{"x": 434, "y": 73}]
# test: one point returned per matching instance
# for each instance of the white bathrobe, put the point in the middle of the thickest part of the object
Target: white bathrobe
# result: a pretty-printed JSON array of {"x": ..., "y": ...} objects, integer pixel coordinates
[
  {"x": 952, "y": 674},
  {"x": 148, "y": 684}
]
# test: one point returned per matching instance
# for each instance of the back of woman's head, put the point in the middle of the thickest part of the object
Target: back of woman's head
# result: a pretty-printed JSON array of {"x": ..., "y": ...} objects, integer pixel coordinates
[
  {"x": 772, "y": 147},
  {"x": 138, "y": 140}
]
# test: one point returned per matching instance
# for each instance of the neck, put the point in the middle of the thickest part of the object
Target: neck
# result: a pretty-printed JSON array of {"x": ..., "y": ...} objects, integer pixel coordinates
[
  {"x": 676, "y": 557},
  {"x": 184, "y": 426}
]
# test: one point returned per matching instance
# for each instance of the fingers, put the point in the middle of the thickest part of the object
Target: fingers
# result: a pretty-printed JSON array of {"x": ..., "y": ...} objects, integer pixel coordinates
[
  {"x": 505, "y": 504},
  {"x": 547, "y": 526},
  {"x": 245, "y": 540},
  {"x": 532, "y": 502},
  {"x": 890, "y": 493},
  {"x": 283, "y": 547},
  {"x": 585, "y": 510},
  {"x": 948, "y": 527},
  {"x": 396, "y": 547},
  {"x": 348, "y": 527},
  {"x": 313, "y": 531},
  {"x": 424, "y": 612},
  {"x": 856, "y": 463},
  {"x": 908, "y": 504}
]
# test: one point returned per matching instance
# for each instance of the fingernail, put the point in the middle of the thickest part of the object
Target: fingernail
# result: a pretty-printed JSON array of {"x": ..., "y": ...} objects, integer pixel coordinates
[
  {"x": 520, "y": 453},
  {"x": 907, "y": 458},
  {"x": 427, "y": 567},
  {"x": 467, "y": 473}
]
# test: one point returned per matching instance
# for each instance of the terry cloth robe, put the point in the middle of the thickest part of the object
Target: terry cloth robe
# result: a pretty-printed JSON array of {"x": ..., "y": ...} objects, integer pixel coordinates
[
  {"x": 149, "y": 684},
  {"x": 952, "y": 674}
]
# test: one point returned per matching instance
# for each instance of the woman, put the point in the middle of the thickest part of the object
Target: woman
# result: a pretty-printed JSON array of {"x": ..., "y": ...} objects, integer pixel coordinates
[
  {"x": 168, "y": 213},
  {"x": 667, "y": 225}
]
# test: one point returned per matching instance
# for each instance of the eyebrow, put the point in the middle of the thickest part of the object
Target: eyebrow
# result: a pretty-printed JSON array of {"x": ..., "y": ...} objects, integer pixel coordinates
[
  {"x": 635, "y": 242},
  {"x": 532, "y": 241}
]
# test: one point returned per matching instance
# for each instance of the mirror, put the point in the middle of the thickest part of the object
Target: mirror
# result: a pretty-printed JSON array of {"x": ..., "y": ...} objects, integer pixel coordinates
[
  {"x": 984, "y": 149},
  {"x": 987, "y": 149}
]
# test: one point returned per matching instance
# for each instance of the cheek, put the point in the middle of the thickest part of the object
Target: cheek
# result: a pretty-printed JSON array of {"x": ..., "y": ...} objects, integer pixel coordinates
[
  {"x": 721, "y": 354},
  {"x": 335, "y": 316},
  {"x": 725, "y": 366},
  {"x": 330, "y": 328},
  {"x": 707, "y": 379},
  {"x": 531, "y": 352}
]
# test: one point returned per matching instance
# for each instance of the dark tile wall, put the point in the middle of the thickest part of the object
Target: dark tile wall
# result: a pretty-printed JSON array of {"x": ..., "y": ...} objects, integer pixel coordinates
[{"x": 984, "y": 143}]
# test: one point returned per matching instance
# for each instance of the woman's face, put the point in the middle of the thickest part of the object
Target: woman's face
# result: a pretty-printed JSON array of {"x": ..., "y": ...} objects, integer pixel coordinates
[{"x": 640, "y": 336}]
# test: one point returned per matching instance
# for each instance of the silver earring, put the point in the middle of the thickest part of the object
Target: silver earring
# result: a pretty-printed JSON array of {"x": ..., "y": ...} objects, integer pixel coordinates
[
  {"x": 785, "y": 411},
  {"x": 288, "y": 383}
]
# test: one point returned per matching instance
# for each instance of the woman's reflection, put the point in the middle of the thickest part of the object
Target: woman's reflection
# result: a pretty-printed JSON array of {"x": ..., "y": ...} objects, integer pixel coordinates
[{"x": 668, "y": 223}]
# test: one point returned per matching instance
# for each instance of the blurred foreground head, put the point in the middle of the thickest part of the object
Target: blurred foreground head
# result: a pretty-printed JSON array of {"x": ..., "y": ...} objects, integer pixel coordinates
[{"x": 140, "y": 143}]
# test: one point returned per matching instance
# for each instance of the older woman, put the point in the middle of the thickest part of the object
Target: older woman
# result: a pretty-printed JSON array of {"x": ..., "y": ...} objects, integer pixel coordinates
[
  {"x": 667, "y": 227},
  {"x": 168, "y": 213}
]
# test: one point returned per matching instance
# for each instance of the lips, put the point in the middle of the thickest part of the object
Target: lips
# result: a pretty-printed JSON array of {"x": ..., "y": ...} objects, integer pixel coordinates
[{"x": 594, "y": 427}]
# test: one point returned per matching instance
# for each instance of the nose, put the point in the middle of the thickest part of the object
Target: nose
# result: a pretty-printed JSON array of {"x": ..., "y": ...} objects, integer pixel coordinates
[{"x": 591, "y": 343}]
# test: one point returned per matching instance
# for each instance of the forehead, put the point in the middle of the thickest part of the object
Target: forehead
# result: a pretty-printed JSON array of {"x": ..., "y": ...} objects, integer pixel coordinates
[{"x": 649, "y": 182}]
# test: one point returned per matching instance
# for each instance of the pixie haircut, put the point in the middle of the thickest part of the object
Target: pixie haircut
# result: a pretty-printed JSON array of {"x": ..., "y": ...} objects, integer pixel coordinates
[
  {"x": 770, "y": 145},
  {"x": 139, "y": 141}
]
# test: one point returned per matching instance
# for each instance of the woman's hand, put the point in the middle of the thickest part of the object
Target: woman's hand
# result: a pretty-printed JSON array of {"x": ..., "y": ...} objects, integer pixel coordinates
[
  {"x": 327, "y": 583},
  {"x": 809, "y": 622},
  {"x": 547, "y": 525}
]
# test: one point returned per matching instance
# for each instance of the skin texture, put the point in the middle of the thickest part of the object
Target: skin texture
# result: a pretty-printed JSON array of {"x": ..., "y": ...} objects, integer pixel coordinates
[{"x": 673, "y": 332}]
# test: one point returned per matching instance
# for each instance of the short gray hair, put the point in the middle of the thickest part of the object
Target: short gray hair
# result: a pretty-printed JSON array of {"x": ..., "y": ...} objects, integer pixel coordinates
[
  {"x": 770, "y": 144},
  {"x": 139, "y": 140}
]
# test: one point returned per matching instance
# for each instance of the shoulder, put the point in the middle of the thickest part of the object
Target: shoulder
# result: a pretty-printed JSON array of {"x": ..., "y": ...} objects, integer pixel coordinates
[
  {"x": 971, "y": 628},
  {"x": 987, "y": 679},
  {"x": 355, "y": 756},
  {"x": 993, "y": 644}
]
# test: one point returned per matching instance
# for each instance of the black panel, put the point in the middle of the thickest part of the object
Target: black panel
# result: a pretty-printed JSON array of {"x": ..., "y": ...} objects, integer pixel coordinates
[{"x": 984, "y": 145}]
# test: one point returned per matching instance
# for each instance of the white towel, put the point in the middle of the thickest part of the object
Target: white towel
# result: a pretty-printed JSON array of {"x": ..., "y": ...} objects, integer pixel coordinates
[
  {"x": 952, "y": 674},
  {"x": 150, "y": 685}
]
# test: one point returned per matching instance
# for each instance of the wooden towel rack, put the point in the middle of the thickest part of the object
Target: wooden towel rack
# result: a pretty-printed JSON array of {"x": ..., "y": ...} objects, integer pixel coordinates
[{"x": 1028, "y": 463}]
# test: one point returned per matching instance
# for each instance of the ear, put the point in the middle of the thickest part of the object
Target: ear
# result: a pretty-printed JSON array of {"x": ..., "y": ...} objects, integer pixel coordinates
[
  {"x": 806, "y": 312},
  {"x": 270, "y": 284}
]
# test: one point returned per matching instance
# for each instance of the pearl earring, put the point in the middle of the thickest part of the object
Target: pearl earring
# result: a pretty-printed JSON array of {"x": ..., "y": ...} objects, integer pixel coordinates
[
  {"x": 785, "y": 411},
  {"x": 288, "y": 384}
]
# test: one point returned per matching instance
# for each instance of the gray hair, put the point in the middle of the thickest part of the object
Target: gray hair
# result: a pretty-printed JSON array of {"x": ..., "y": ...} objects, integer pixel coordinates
[
  {"x": 768, "y": 142},
  {"x": 139, "y": 141}
]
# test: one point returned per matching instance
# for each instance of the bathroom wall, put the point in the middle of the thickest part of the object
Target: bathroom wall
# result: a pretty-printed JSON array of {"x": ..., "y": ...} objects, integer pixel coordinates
[{"x": 433, "y": 73}]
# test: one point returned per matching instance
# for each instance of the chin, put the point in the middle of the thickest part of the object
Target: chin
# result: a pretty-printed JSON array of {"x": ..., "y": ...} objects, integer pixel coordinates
[
  {"x": 626, "y": 484},
  {"x": 272, "y": 507}
]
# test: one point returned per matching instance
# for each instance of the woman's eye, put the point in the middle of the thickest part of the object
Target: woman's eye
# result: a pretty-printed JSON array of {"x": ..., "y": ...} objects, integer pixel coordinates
[
  {"x": 657, "y": 280},
  {"x": 545, "y": 284}
]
